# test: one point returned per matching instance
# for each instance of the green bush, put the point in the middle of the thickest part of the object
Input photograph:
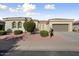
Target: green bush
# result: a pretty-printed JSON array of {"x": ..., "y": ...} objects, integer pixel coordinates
[
  {"x": 9, "y": 31},
  {"x": 78, "y": 30},
  {"x": 44, "y": 33},
  {"x": 74, "y": 30},
  {"x": 2, "y": 32},
  {"x": 16, "y": 32},
  {"x": 2, "y": 27},
  {"x": 29, "y": 26}
]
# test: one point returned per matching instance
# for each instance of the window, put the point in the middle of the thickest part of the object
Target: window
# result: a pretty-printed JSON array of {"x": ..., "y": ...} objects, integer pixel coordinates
[
  {"x": 19, "y": 24},
  {"x": 14, "y": 25}
]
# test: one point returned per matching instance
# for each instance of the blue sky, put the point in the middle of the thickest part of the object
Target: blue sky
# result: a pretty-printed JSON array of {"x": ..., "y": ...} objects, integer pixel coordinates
[{"x": 41, "y": 11}]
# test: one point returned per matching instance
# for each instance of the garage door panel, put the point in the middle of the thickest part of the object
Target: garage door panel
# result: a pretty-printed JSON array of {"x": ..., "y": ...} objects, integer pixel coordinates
[{"x": 60, "y": 27}]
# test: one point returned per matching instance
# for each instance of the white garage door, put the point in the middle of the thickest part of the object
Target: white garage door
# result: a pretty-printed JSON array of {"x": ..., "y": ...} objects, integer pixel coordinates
[{"x": 60, "y": 27}]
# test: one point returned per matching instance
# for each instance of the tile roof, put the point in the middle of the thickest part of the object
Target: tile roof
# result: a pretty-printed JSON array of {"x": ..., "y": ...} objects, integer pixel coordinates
[
  {"x": 16, "y": 18},
  {"x": 62, "y": 19}
]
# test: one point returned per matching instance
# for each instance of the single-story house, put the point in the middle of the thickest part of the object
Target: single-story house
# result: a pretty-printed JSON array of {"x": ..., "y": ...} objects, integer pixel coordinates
[{"x": 58, "y": 24}]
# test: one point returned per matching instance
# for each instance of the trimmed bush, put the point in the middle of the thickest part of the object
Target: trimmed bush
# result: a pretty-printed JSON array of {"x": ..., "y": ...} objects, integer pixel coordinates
[
  {"x": 74, "y": 30},
  {"x": 29, "y": 26},
  {"x": 9, "y": 31},
  {"x": 78, "y": 30},
  {"x": 44, "y": 33},
  {"x": 17, "y": 32},
  {"x": 2, "y": 32}
]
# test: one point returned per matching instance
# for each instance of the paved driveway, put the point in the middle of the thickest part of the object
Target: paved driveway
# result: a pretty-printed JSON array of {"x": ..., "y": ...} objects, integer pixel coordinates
[
  {"x": 70, "y": 36},
  {"x": 62, "y": 41}
]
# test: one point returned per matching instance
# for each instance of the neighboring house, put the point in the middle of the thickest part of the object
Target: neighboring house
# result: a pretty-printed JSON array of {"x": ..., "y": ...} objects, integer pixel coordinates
[
  {"x": 58, "y": 24},
  {"x": 76, "y": 25},
  {"x": 2, "y": 25}
]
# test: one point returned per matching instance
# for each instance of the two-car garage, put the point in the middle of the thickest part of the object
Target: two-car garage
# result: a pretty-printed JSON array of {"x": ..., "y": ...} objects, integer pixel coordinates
[{"x": 60, "y": 27}]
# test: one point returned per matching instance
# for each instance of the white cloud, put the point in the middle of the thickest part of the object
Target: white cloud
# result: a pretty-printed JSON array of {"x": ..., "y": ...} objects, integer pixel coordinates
[
  {"x": 3, "y": 7},
  {"x": 18, "y": 6},
  {"x": 32, "y": 14},
  {"x": 23, "y": 8},
  {"x": 39, "y": 16},
  {"x": 17, "y": 9},
  {"x": 50, "y": 6},
  {"x": 28, "y": 7},
  {"x": 12, "y": 10}
]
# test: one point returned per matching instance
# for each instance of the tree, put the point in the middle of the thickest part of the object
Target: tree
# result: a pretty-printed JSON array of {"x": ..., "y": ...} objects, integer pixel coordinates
[
  {"x": 24, "y": 25},
  {"x": 29, "y": 26}
]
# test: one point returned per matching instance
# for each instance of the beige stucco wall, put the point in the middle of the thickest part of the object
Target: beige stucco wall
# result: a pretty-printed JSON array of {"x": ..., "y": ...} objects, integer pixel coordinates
[
  {"x": 61, "y": 22},
  {"x": 8, "y": 25},
  {"x": 48, "y": 26},
  {"x": 40, "y": 26},
  {"x": 36, "y": 22}
]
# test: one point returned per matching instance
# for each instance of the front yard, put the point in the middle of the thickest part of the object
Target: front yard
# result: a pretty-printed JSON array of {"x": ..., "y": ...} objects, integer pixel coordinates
[{"x": 16, "y": 44}]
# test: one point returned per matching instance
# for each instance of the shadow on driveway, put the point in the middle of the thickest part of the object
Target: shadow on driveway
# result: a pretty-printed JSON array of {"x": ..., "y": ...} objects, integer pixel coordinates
[{"x": 7, "y": 44}]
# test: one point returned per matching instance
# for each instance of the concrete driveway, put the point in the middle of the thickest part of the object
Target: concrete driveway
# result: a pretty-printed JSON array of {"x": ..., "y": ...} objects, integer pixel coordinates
[
  {"x": 62, "y": 41},
  {"x": 70, "y": 36}
]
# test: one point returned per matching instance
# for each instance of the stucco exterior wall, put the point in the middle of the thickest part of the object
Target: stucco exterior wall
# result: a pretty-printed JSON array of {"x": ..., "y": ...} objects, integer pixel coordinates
[
  {"x": 39, "y": 25},
  {"x": 69, "y": 24},
  {"x": 36, "y": 22},
  {"x": 43, "y": 26},
  {"x": 8, "y": 25}
]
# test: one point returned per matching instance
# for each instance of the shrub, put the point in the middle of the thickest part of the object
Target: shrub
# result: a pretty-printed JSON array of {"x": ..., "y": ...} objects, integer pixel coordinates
[
  {"x": 2, "y": 27},
  {"x": 29, "y": 26},
  {"x": 9, "y": 31},
  {"x": 2, "y": 32},
  {"x": 78, "y": 30},
  {"x": 44, "y": 33},
  {"x": 74, "y": 30},
  {"x": 16, "y": 32}
]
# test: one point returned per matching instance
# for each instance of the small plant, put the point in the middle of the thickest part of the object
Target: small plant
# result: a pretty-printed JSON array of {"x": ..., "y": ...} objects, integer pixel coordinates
[
  {"x": 9, "y": 31},
  {"x": 2, "y": 32},
  {"x": 17, "y": 32},
  {"x": 44, "y": 33}
]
